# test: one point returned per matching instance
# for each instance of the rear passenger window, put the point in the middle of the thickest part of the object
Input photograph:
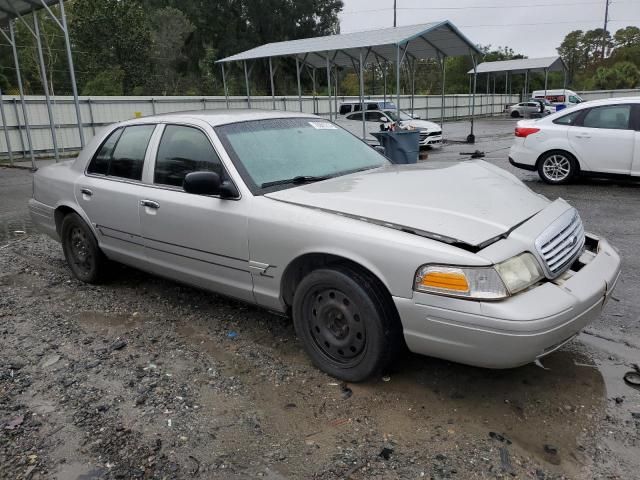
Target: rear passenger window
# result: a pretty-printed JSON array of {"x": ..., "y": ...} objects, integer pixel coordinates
[
  {"x": 100, "y": 163},
  {"x": 183, "y": 150},
  {"x": 355, "y": 116},
  {"x": 344, "y": 109},
  {"x": 613, "y": 116},
  {"x": 568, "y": 119},
  {"x": 373, "y": 116},
  {"x": 122, "y": 155}
]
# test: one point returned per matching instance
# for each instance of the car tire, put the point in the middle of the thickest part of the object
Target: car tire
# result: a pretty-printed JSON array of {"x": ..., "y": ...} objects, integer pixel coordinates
[
  {"x": 557, "y": 167},
  {"x": 80, "y": 247},
  {"x": 347, "y": 323},
  {"x": 515, "y": 114}
]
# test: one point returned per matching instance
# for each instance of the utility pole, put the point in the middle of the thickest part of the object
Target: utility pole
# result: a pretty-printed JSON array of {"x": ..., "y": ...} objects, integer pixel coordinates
[
  {"x": 395, "y": 2},
  {"x": 606, "y": 21}
]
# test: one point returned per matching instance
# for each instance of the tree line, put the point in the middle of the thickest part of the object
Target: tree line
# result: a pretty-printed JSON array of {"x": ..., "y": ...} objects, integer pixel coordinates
[{"x": 169, "y": 47}]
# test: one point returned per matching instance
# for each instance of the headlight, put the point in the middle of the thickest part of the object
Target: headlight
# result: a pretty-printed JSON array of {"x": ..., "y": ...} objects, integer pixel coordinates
[
  {"x": 519, "y": 272},
  {"x": 483, "y": 283}
]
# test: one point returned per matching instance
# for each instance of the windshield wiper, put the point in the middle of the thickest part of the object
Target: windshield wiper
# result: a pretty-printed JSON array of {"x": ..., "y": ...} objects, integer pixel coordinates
[{"x": 299, "y": 180}]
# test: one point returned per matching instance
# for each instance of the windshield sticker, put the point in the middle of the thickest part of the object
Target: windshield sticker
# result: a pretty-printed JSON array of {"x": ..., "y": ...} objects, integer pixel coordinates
[{"x": 323, "y": 126}]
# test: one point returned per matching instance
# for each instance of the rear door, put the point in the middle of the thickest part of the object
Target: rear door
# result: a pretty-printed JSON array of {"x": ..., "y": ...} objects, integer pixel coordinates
[
  {"x": 198, "y": 239},
  {"x": 635, "y": 164},
  {"x": 604, "y": 140},
  {"x": 109, "y": 192}
]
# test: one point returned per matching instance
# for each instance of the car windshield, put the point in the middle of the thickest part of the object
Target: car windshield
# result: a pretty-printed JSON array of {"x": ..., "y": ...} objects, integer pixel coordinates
[
  {"x": 393, "y": 115},
  {"x": 283, "y": 152}
]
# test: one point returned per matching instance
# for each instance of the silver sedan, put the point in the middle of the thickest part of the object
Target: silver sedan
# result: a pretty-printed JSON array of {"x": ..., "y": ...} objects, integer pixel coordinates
[{"x": 290, "y": 212}]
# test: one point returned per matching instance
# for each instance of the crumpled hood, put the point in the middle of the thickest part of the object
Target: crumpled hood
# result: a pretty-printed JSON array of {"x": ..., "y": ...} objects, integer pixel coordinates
[
  {"x": 422, "y": 125},
  {"x": 470, "y": 202}
]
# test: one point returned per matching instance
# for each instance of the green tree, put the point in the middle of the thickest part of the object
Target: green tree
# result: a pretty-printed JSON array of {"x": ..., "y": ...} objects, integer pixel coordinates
[
  {"x": 170, "y": 30},
  {"x": 107, "y": 82},
  {"x": 571, "y": 52},
  {"x": 627, "y": 37},
  {"x": 620, "y": 75},
  {"x": 111, "y": 34}
]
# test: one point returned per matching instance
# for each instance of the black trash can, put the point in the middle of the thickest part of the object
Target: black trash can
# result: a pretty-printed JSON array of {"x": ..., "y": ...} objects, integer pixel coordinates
[{"x": 401, "y": 146}]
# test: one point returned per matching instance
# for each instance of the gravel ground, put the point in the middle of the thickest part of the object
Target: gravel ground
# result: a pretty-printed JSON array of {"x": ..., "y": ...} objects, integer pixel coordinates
[{"x": 143, "y": 378}]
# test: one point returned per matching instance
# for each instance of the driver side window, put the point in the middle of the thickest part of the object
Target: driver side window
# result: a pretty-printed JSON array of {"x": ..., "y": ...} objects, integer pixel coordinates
[{"x": 184, "y": 150}]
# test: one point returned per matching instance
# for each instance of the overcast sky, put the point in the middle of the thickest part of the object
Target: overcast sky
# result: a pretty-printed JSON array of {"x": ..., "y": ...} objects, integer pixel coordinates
[{"x": 534, "y": 27}]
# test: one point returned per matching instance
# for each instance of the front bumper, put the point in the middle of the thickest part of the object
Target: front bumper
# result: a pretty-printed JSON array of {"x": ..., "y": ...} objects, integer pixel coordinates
[
  {"x": 431, "y": 141},
  {"x": 514, "y": 331}
]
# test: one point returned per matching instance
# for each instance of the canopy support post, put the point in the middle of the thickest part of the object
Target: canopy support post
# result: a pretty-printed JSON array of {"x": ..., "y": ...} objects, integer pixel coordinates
[
  {"x": 5, "y": 127},
  {"x": 526, "y": 86},
  {"x": 72, "y": 73},
  {"x": 299, "y": 85},
  {"x": 273, "y": 90},
  {"x": 564, "y": 82},
  {"x": 329, "y": 86},
  {"x": 444, "y": 79},
  {"x": 384, "y": 77},
  {"x": 45, "y": 85},
  {"x": 246, "y": 83},
  {"x": 413, "y": 86},
  {"x": 546, "y": 78},
  {"x": 224, "y": 86},
  {"x": 12, "y": 41},
  {"x": 362, "y": 111},
  {"x": 471, "y": 138},
  {"x": 398, "y": 60},
  {"x": 335, "y": 96}
]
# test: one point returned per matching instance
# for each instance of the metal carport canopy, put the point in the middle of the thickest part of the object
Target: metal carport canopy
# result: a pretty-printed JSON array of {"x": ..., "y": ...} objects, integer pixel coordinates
[
  {"x": 432, "y": 40},
  {"x": 391, "y": 45},
  {"x": 522, "y": 65},
  {"x": 10, "y": 9}
]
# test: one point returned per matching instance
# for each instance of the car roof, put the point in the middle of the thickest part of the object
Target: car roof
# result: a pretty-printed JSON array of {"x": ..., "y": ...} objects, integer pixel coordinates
[
  {"x": 219, "y": 117},
  {"x": 606, "y": 101}
]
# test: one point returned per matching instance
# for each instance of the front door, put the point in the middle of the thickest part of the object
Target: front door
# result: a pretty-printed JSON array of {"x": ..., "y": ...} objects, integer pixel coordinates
[
  {"x": 604, "y": 140},
  {"x": 109, "y": 192},
  {"x": 635, "y": 164},
  {"x": 197, "y": 239}
]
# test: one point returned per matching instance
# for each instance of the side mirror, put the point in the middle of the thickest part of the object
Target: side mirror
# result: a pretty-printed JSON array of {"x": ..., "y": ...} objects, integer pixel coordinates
[
  {"x": 384, "y": 119},
  {"x": 208, "y": 183}
]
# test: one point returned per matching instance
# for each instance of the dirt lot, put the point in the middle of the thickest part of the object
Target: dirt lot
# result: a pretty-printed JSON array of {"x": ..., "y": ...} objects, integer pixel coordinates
[{"x": 145, "y": 378}]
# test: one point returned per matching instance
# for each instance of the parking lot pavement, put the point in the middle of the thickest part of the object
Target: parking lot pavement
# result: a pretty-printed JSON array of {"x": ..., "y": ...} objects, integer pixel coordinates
[{"x": 144, "y": 378}]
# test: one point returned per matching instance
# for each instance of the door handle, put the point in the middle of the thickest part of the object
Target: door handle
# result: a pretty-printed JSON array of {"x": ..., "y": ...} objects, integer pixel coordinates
[
  {"x": 583, "y": 136},
  {"x": 86, "y": 191},
  {"x": 150, "y": 204}
]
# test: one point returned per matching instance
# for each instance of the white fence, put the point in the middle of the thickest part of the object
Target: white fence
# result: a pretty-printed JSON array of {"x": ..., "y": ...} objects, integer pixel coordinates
[
  {"x": 599, "y": 94},
  {"x": 99, "y": 111}
]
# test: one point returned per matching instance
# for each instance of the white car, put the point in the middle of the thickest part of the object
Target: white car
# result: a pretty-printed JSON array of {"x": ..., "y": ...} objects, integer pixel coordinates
[
  {"x": 597, "y": 137},
  {"x": 430, "y": 133},
  {"x": 524, "y": 109}
]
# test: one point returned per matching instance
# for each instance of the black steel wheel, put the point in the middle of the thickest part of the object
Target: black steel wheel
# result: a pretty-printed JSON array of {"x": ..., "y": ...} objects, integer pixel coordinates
[
  {"x": 515, "y": 114},
  {"x": 345, "y": 322},
  {"x": 86, "y": 260}
]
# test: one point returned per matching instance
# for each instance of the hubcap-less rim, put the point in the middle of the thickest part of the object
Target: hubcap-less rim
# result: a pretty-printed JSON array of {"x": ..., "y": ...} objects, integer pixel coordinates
[
  {"x": 556, "y": 167},
  {"x": 336, "y": 326},
  {"x": 80, "y": 250}
]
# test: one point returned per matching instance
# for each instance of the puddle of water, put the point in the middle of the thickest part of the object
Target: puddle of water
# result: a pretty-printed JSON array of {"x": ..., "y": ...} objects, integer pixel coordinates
[
  {"x": 108, "y": 324},
  {"x": 15, "y": 228},
  {"x": 531, "y": 406}
]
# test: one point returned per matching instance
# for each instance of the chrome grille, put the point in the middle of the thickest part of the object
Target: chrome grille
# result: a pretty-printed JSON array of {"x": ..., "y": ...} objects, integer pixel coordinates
[
  {"x": 424, "y": 134},
  {"x": 561, "y": 242}
]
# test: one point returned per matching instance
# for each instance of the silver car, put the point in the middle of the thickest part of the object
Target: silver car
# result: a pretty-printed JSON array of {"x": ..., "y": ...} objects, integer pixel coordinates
[{"x": 290, "y": 212}]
